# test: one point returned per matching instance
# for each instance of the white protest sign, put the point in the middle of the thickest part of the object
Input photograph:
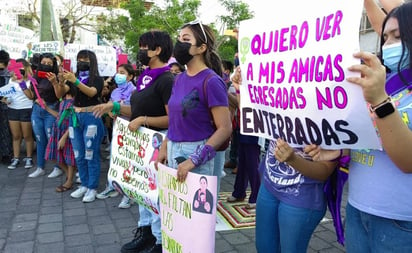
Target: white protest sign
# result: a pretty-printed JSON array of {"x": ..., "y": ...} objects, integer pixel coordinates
[
  {"x": 294, "y": 66},
  {"x": 106, "y": 57},
  {"x": 14, "y": 39},
  {"x": 132, "y": 158},
  {"x": 52, "y": 47}
]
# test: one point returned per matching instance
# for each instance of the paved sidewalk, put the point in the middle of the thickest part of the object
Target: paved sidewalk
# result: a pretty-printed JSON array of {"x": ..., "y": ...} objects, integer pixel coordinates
[{"x": 35, "y": 218}]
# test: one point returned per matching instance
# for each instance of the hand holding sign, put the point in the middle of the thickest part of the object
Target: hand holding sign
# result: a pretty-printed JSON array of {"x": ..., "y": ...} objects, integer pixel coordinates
[{"x": 372, "y": 78}]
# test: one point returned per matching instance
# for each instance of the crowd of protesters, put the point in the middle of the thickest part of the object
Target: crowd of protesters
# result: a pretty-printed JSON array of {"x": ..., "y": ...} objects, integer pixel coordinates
[{"x": 66, "y": 117}]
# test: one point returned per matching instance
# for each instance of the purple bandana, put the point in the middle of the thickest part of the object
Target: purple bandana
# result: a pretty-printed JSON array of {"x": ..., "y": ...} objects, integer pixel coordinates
[
  {"x": 148, "y": 76},
  {"x": 84, "y": 76},
  {"x": 123, "y": 93},
  {"x": 333, "y": 191}
]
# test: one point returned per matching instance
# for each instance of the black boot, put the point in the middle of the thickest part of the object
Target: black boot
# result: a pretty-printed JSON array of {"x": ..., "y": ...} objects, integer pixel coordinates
[
  {"x": 156, "y": 248},
  {"x": 143, "y": 239}
]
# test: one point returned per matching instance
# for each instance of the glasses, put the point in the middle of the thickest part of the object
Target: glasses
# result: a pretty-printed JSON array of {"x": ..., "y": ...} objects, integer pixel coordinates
[{"x": 198, "y": 22}]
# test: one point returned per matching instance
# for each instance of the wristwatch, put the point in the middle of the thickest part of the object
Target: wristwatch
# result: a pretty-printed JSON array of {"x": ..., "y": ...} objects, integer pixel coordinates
[{"x": 383, "y": 109}]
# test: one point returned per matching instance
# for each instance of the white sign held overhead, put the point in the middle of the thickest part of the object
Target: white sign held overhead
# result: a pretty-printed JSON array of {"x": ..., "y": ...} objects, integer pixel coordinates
[{"x": 106, "y": 57}]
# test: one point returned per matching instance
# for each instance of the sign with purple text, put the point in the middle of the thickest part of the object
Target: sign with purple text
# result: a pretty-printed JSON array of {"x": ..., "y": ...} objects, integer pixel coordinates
[
  {"x": 132, "y": 158},
  {"x": 188, "y": 211},
  {"x": 294, "y": 66}
]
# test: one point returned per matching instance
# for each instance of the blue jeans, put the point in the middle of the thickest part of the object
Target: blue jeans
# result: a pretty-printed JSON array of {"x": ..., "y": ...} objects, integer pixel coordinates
[
  {"x": 281, "y": 227},
  {"x": 42, "y": 123},
  {"x": 369, "y": 233},
  {"x": 176, "y": 149},
  {"x": 148, "y": 218},
  {"x": 86, "y": 139},
  {"x": 218, "y": 167}
]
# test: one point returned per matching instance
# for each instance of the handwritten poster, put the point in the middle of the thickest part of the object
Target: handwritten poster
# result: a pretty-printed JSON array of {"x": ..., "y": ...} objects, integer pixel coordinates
[
  {"x": 294, "y": 65},
  {"x": 14, "y": 39},
  {"x": 52, "y": 47},
  {"x": 188, "y": 211},
  {"x": 132, "y": 157},
  {"x": 106, "y": 57}
]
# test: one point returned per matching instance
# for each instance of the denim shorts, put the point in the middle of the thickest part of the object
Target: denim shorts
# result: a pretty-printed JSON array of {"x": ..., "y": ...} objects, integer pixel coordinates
[{"x": 23, "y": 115}]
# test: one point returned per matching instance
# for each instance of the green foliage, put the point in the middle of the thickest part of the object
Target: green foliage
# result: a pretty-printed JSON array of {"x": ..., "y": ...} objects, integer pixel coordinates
[
  {"x": 237, "y": 10},
  {"x": 169, "y": 18},
  {"x": 227, "y": 49}
]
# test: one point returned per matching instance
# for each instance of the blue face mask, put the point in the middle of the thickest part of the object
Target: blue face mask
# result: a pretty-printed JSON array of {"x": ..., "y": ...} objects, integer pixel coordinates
[
  {"x": 120, "y": 79},
  {"x": 391, "y": 56}
]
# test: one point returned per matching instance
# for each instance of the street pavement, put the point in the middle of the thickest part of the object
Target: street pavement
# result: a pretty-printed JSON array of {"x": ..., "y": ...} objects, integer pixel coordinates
[{"x": 35, "y": 218}]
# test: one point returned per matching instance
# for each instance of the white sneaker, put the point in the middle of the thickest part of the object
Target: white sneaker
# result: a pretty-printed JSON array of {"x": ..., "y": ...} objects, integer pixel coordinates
[
  {"x": 79, "y": 192},
  {"x": 28, "y": 162},
  {"x": 56, "y": 172},
  {"x": 90, "y": 196},
  {"x": 223, "y": 173},
  {"x": 109, "y": 192},
  {"x": 14, "y": 163},
  {"x": 125, "y": 203},
  {"x": 78, "y": 181},
  {"x": 77, "y": 174},
  {"x": 37, "y": 172}
]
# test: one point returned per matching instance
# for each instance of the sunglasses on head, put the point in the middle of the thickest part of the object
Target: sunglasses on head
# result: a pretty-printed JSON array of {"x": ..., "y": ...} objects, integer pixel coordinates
[{"x": 198, "y": 22}]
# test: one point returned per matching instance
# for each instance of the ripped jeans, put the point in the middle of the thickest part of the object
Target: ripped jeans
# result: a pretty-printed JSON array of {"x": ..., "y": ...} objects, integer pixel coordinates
[
  {"x": 86, "y": 139},
  {"x": 42, "y": 122}
]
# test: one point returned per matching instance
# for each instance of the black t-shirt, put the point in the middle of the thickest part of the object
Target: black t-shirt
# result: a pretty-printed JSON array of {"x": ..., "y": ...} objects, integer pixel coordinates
[
  {"x": 46, "y": 90},
  {"x": 82, "y": 100},
  {"x": 151, "y": 101}
]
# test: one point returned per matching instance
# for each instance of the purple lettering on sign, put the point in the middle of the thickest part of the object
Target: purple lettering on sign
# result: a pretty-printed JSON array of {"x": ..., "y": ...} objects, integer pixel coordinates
[
  {"x": 338, "y": 98},
  {"x": 284, "y": 39},
  {"x": 324, "y": 29}
]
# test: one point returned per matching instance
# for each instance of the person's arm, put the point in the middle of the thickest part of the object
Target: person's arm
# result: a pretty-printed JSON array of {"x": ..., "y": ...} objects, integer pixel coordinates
[
  {"x": 59, "y": 85},
  {"x": 101, "y": 109},
  {"x": 221, "y": 118},
  {"x": 149, "y": 121},
  {"x": 52, "y": 112},
  {"x": 395, "y": 135},
  {"x": 376, "y": 15},
  {"x": 89, "y": 91},
  {"x": 319, "y": 170}
]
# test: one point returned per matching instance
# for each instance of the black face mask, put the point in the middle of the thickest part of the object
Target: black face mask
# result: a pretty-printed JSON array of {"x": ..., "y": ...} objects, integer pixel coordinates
[
  {"x": 45, "y": 68},
  {"x": 181, "y": 52},
  {"x": 83, "y": 66},
  {"x": 143, "y": 57}
]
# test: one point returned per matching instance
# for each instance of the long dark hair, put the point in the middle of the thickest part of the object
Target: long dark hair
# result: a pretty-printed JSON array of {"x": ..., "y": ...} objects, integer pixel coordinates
[
  {"x": 212, "y": 59},
  {"x": 403, "y": 14},
  {"x": 93, "y": 71}
]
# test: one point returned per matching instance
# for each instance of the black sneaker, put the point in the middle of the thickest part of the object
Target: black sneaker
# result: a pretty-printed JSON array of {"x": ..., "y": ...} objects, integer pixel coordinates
[
  {"x": 157, "y": 248},
  {"x": 143, "y": 239},
  {"x": 14, "y": 163}
]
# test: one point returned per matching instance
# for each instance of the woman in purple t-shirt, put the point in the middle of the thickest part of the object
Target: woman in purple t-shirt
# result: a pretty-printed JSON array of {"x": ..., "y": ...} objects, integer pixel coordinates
[
  {"x": 199, "y": 98},
  {"x": 291, "y": 201}
]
